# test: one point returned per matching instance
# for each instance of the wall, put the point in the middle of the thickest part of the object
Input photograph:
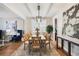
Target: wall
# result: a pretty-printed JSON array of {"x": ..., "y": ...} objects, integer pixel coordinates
[
  {"x": 74, "y": 48},
  {"x": 59, "y": 24},
  {"x": 20, "y": 25},
  {"x": 3, "y": 23},
  {"x": 59, "y": 28},
  {"x": 27, "y": 25},
  {"x": 49, "y": 21},
  {"x": 71, "y": 28}
]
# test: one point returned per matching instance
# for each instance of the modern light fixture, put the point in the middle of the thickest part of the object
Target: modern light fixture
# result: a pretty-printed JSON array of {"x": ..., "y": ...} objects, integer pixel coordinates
[
  {"x": 38, "y": 9},
  {"x": 38, "y": 18}
]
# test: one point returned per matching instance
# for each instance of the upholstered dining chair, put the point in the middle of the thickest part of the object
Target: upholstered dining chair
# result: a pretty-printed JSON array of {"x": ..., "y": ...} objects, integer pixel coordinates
[
  {"x": 48, "y": 39},
  {"x": 25, "y": 39},
  {"x": 35, "y": 44}
]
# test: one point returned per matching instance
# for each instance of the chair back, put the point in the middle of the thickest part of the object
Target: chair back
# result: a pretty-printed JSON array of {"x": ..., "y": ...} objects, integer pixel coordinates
[
  {"x": 26, "y": 37},
  {"x": 36, "y": 41},
  {"x": 47, "y": 36}
]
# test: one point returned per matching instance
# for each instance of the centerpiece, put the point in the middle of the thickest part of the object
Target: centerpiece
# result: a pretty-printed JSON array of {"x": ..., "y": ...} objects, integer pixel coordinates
[{"x": 37, "y": 32}]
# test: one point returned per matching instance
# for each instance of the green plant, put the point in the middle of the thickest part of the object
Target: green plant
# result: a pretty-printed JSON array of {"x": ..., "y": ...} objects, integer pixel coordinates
[{"x": 49, "y": 29}]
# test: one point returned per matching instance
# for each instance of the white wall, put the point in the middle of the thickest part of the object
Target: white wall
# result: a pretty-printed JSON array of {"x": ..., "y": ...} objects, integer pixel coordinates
[
  {"x": 59, "y": 25},
  {"x": 59, "y": 18},
  {"x": 20, "y": 25},
  {"x": 74, "y": 48},
  {"x": 3, "y": 23},
  {"x": 27, "y": 25},
  {"x": 49, "y": 21}
]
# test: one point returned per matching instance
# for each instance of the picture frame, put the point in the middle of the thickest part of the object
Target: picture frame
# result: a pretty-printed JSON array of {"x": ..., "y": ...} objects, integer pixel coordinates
[{"x": 71, "y": 22}]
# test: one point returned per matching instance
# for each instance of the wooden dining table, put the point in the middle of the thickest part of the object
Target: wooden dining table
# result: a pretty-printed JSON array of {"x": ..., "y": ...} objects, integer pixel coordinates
[
  {"x": 43, "y": 40},
  {"x": 42, "y": 37}
]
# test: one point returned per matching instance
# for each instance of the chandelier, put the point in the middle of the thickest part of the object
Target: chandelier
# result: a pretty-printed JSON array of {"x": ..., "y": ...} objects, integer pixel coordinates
[{"x": 38, "y": 18}]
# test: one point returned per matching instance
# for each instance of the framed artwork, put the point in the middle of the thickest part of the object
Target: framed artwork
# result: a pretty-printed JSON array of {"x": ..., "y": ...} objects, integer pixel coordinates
[
  {"x": 11, "y": 27},
  {"x": 71, "y": 22}
]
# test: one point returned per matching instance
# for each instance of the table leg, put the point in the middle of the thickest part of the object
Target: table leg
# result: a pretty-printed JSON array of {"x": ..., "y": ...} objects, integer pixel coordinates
[
  {"x": 62, "y": 43},
  {"x": 56, "y": 42},
  {"x": 69, "y": 48}
]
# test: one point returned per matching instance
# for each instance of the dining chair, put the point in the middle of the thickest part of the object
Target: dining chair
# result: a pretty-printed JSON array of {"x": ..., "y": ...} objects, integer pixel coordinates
[
  {"x": 35, "y": 44},
  {"x": 48, "y": 40},
  {"x": 25, "y": 39}
]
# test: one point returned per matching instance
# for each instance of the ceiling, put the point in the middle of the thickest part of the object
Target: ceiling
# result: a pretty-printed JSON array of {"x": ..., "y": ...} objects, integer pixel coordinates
[
  {"x": 5, "y": 12},
  {"x": 24, "y": 10}
]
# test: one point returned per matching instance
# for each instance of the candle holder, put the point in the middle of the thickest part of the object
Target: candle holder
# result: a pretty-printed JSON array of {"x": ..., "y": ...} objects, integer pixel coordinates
[{"x": 37, "y": 32}]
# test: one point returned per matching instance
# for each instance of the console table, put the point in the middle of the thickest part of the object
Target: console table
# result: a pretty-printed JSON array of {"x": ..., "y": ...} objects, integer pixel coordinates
[{"x": 69, "y": 40}]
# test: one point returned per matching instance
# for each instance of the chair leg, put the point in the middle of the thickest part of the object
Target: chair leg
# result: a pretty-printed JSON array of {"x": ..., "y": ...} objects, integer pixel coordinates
[
  {"x": 24, "y": 46},
  {"x": 40, "y": 51},
  {"x": 49, "y": 46},
  {"x": 29, "y": 49},
  {"x": 45, "y": 48}
]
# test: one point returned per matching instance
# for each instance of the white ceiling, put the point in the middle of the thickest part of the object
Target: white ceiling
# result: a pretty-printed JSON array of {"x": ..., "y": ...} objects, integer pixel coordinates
[
  {"x": 5, "y": 12},
  {"x": 30, "y": 9}
]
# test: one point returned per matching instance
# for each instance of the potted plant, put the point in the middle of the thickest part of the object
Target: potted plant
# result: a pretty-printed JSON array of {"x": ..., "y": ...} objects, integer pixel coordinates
[{"x": 49, "y": 29}]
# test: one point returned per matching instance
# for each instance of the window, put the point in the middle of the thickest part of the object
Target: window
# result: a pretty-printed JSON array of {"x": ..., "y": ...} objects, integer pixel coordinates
[{"x": 41, "y": 24}]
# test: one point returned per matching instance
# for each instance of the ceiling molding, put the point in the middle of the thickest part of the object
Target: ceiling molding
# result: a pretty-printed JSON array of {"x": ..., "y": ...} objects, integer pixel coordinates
[
  {"x": 49, "y": 8},
  {"x": 41, "y": 17},
  {"x": 27, "y": 7},
  {"x": 14, "y": 11}
]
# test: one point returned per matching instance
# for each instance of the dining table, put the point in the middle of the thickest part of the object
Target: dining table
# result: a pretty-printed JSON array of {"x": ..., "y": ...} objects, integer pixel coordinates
[
  {"x": 43, "y": 40},
  {"x": 42, "y": 37}
]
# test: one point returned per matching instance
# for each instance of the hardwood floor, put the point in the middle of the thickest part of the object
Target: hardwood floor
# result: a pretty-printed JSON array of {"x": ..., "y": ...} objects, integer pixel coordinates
[
  {"x": 17, "y": 49},
  {"x": 9, "y": 49},
  {"x": 59, "y": 50},
  {"x": 49, "y": 52}
]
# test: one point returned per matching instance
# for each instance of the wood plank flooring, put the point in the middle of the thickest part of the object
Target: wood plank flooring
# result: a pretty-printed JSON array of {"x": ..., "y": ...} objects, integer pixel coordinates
[
  {"x": 17, "y": 49},
  {"x": 49, "y": 52},
  {"x": 9, "y": 48}
]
